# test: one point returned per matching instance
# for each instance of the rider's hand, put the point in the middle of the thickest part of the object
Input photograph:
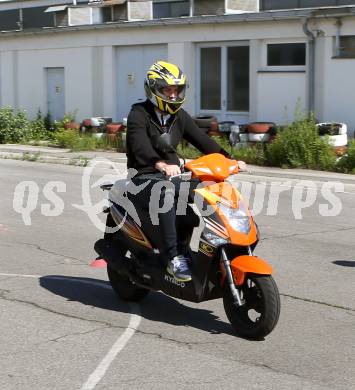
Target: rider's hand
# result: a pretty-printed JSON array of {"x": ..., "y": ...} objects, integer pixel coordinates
[
  {"x": 169, "y": 170},
  {"x": 242, "y": 166}
]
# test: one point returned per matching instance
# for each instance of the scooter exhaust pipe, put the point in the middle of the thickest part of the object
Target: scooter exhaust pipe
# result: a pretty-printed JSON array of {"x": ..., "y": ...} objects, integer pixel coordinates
[{"x": 112, "y": 253}]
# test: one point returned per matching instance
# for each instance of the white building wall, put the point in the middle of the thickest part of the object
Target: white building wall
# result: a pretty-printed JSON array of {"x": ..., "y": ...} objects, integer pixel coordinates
[
  {"x": 90, "y": 68},
  {"x": 23, "y": 79},
  {"x": 141, "y": 34},
  {"x": 8, "y": 78},
  {"x": 335, "y": 81},
  {"x": 279, "y": 90},
  {"x": 278, "y": 96},
  {"x": 339, "y": 88},
  {"x": 87, "y": 56},
  {"x": 183, "y": 54}
]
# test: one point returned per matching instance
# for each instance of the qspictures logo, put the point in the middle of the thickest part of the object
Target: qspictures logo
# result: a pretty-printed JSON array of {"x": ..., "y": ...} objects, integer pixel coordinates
[{"x": 262, "y": 197}]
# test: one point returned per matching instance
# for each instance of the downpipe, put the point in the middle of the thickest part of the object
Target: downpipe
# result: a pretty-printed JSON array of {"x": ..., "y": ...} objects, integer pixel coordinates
[
  {"x": 338, "y": 25},
  {"x": 311, "y": 65},
  {"x": 235, "y": 293}
]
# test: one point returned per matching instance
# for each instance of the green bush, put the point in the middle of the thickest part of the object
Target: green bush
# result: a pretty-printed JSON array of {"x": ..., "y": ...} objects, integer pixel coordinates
[
  {"x": 185, "y": 150},
  {"x": 14, "y": 126},
  {"x": 74, "y": 141},
  {"x": 38, "y": 129},
  {"x": 71, "y": 139},
  {"x": 70, "y": 116},
  {"x": 252, "y": 155},
  {"x": 85, "y": 142},
  {"x": 66, "y": 138},
  {"x": 106, "y": 143},
  {"x": 298, "y": 145},
  {"x": 223, "y": 142},
  {"x": 347, "y": 162}
]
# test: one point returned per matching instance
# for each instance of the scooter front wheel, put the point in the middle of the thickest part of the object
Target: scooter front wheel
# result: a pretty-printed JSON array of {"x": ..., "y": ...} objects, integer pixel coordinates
[
  {"x": 260, "y": 311},
  {"x": 123, "y": 287}
]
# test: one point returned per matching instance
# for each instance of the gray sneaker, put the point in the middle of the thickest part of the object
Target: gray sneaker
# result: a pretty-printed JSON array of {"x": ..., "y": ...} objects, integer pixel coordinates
[{"x": 179, "y": 268}]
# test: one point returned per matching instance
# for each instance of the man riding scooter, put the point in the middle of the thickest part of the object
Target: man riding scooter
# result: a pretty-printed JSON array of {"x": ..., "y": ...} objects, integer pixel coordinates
[{"x": 162, "y": 113}]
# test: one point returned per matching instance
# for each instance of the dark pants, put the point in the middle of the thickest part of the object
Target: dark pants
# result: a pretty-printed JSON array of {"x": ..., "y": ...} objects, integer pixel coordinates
[{"x": 156, "y": 198}]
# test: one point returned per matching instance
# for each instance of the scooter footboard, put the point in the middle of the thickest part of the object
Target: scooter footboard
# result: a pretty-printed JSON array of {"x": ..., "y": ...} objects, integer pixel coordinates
[{"x": 243, "y": 265}]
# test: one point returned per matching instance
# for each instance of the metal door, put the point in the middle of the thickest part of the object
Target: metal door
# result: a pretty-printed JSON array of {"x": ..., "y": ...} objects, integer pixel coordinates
[
  {"x": 132, "y": 65},
  {"x": 55, "y": 93}
]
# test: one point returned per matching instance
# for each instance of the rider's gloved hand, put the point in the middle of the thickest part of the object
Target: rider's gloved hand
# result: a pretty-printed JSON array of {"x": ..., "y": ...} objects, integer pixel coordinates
[
  {"x": 242, "y": 166},
  {"x": 169, "y": 170}
]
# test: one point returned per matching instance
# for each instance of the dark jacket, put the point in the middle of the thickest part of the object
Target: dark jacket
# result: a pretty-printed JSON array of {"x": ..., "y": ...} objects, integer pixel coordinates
[{"x": 143, "y": 127}]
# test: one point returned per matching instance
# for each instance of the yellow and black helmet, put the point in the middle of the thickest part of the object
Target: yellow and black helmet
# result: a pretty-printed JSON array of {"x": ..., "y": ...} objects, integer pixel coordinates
[{"x": 160, "y": 75}]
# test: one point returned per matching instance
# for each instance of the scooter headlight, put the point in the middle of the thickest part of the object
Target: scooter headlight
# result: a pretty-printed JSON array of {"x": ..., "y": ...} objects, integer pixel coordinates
[
  {"x": 214, "y": 239},
  {"x": 237, "y": 217}
]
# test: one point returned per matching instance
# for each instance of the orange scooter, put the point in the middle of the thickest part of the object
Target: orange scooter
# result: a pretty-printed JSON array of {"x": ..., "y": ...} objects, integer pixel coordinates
[{"x": 222, "y": 242}]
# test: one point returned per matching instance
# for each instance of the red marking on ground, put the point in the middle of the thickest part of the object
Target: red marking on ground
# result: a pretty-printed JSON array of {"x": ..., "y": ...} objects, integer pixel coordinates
[
  {"x": 3, "y": 228},
  {"x": 98, "y": 263}
]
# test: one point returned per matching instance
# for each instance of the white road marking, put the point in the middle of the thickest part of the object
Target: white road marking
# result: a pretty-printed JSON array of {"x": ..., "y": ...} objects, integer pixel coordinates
[
  {"x": 117, "y": 347},
  {"x": 121, "y": 342},
  {"x": 22, "y": 276}
]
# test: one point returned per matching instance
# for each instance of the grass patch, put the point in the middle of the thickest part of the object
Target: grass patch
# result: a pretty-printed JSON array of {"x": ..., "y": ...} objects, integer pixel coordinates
[
  {"x": 79, "y": 161},
  {"x": 27, "y": 156}
]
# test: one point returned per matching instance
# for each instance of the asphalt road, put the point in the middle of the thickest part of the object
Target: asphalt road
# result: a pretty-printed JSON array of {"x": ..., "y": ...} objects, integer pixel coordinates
[{"x": 62, "y": 327}]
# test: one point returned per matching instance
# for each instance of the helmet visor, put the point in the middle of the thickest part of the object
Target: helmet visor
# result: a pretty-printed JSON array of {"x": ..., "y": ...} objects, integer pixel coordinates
[{"x": 170, "y": 93}]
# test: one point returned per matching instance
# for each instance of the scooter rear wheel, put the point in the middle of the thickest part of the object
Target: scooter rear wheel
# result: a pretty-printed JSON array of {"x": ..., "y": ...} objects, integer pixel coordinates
[
  {"x": 123, "y": 287},
  {"x": 261, "y": 309}
]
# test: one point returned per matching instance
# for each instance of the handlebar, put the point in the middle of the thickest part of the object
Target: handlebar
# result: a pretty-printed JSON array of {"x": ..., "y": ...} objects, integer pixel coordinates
[{"x": 183, "y": 175}]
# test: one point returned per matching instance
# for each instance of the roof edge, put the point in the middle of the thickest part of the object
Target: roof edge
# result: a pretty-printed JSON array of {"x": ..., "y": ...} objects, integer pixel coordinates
[{"x": 295, "y": 14}]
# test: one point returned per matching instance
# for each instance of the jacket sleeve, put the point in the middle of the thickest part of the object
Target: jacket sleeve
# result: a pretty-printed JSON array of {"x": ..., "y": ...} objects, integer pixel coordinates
[
  {"x": 199, "y": 139},
  {"x": 138, "y": 139}
]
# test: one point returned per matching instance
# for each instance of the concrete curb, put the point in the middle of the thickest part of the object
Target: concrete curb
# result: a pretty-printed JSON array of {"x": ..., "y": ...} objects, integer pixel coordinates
[
  {"x": 33, "y": 157},
  {"x": 75, "y": 159},
  {"x": 312, "y": 176}
]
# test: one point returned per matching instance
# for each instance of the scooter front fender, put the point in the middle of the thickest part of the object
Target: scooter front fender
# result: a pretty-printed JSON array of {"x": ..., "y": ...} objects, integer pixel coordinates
[{"x": 243, "y": 265}]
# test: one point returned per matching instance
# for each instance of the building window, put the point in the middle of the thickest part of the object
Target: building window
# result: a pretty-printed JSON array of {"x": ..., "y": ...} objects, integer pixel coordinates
[
  {"x": 238, "y": 78},
  {"x": 224, "y": 79},
  {"x": 286, "y": 54},
  {"x": 106, "y": 14},
  {"x": 278, "y": 4},
  {"x": 10, "y": 20},
  {"x": 317, "y": 3},
  {"x": 289, "y": 4},
  {"x": 210, "y": 72},
  {"x": 170, "y": 9},
  {"x": 37, "y": 18},
  {"x": 346, "y": 46}
]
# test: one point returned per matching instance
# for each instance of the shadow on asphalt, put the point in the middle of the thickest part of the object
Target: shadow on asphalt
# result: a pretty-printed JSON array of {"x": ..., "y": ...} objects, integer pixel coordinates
[
  {"x": 345, "y": 263},
  {"x": 155, "y": 307}
]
